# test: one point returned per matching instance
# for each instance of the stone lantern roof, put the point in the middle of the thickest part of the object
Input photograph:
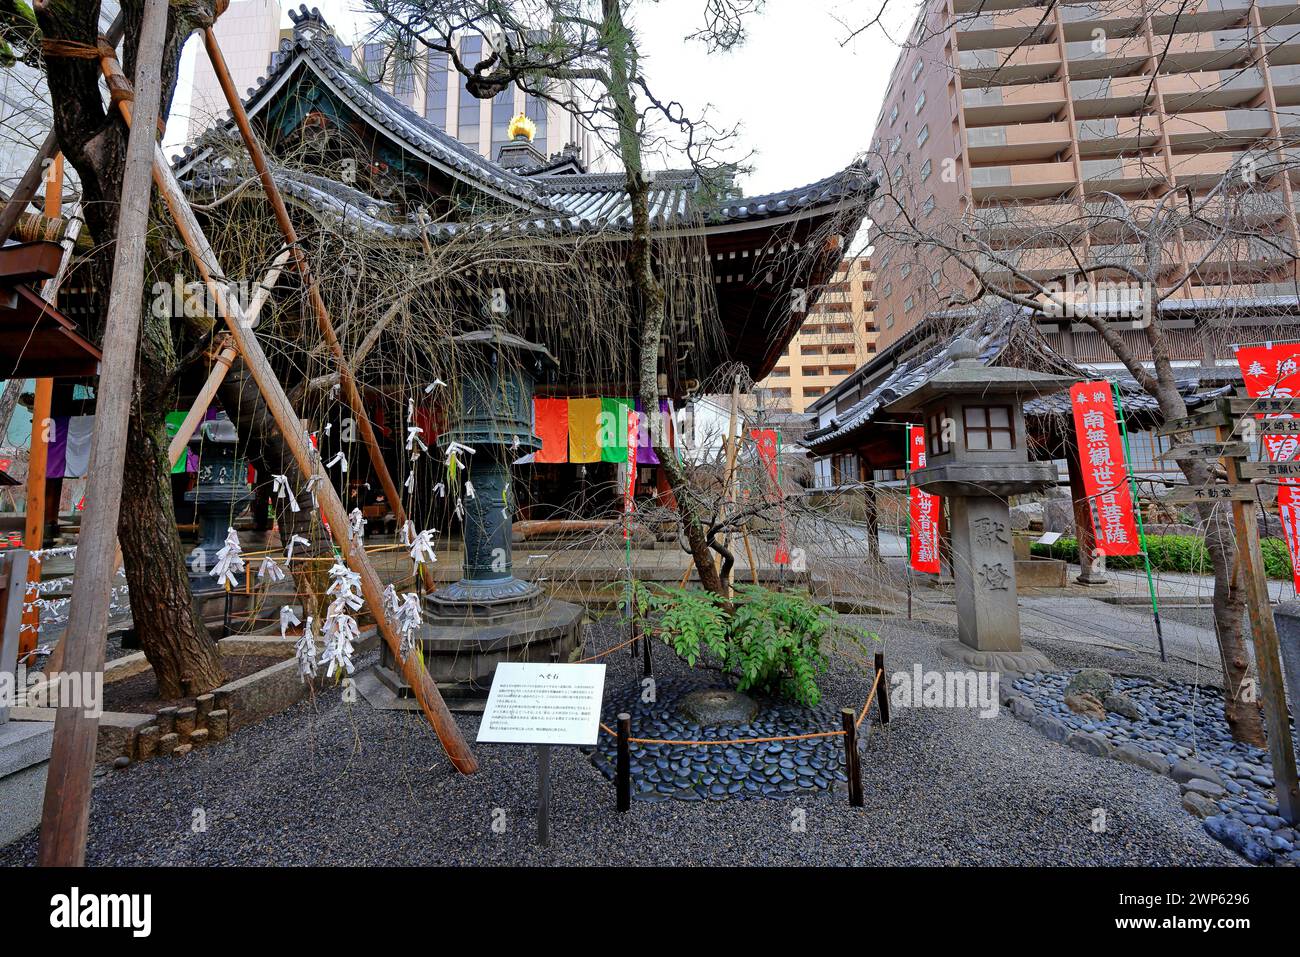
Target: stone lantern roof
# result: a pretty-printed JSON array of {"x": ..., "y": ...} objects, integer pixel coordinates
[{"x": 969, "y": 376}]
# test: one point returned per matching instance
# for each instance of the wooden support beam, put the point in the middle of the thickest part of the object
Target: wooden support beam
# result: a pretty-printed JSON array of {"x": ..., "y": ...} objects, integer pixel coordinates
[
  {"x": 346, "y": 379},
  {"x": 66, "y": 812},
  {"x": 1268, "y": 661},
  {"x": 291, "y": 427},
  {"x": 38, "y": 456}
]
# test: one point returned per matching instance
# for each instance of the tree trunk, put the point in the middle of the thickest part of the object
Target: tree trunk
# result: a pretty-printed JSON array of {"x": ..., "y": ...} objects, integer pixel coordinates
[
  {"x": 8, "y": 402},
  {"x": 651, "y": 290},
  {"x": 185, "y": 659}
]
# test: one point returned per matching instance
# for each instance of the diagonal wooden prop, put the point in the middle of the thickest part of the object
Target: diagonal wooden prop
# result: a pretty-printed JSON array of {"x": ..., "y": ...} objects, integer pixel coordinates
[{"x": 413, "y": 670}]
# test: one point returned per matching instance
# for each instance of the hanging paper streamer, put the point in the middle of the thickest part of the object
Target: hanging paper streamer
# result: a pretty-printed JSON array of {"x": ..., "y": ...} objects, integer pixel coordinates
[
  {"x": 229, "y": 561},
  {"x": 551, "y": 423},
  {"x": 924, "y": 509},
  {"x": 1105, "y": 475},
  {"x": 614, "y": 442},
  {"x": 584, "y": 430},
  {"x": 1273, "y": 370},
  {"x": 305, "y": 650}
]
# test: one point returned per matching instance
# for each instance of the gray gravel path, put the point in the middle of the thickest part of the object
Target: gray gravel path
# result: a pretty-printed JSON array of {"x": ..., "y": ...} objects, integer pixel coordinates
[{"x": 335, "y": 783}]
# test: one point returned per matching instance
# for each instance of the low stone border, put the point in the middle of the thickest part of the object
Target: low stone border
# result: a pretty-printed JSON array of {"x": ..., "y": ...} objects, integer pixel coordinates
[
  {"x": 1201, "y": 786},
  {"x": 176, "y": 731}
]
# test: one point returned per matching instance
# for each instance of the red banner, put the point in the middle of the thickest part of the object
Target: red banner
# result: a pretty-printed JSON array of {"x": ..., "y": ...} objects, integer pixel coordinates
[
  {"x": 1273, "y": 370},
  {"x": 1105, "y": 474},
  {"x": 924, "y": 509},
  {"x": 629, "y": 492}
]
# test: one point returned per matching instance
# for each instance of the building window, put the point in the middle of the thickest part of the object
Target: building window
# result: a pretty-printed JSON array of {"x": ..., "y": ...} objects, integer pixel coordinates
[
  {"x": 926, "y": 169},
  {"x": 889, "y": 321},
  {"x": 920, "y": 102},
  {"x": 924, "y": 135},
  {"x": 988, "y": 428},
  {"x": 934, "y": 430},
  {"x": 893, "y": 114},
  {"x": 471, "y": 52},
  {"x": 503, "y": 110},
  {"x": 535, "y": 109},
  {"x": 916, "y": 69},
  {"x": 435, "y": 97},
  {"x": 905, "y": 270},
  {"x": 908, "y": 303},
  {"x": 928, "y": 206},
  {"x": 373, "y": 61},
  {"x": 404, "y": 82}
]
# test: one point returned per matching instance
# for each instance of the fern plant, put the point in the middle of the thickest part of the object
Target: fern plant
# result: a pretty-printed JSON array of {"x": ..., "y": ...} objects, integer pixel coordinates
[{"x": 771, "y": 641}]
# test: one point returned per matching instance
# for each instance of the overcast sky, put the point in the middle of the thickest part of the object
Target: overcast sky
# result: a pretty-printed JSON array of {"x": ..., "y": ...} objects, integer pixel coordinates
[{"x": 806, "y": 100}]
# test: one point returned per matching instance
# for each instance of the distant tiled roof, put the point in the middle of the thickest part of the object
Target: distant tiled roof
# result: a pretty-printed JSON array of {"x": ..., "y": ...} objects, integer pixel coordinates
[
  {"x": 993, "y": 334},
  {"x": 551, "y": 203}
]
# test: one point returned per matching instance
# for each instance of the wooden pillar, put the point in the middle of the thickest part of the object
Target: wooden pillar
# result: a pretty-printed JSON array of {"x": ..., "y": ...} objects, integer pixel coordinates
[
  {"x": 873, "y": 521},
  {"x": 1092, "y": 569},
  {"x": 34, "y": 530}
]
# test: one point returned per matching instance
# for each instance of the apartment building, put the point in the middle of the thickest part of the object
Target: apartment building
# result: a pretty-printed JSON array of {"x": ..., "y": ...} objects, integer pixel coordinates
[
  {"x": 838, "y": 336},
  {"x": 250, "y": 33},
  {"x": 1020, "y": 120}
]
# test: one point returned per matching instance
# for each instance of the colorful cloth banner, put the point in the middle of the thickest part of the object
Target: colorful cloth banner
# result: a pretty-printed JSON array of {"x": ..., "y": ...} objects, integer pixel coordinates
[
  {"x": 584, "y": 430},
  {"x": 1105, "y": 473},
  {"x": 923, "y": 509},
  {"x": 1272, "y": 370},
  {"x": 551, "y": 423},
  {"x": 645, "y": 451},
  {"x": 614, "y": 416}
]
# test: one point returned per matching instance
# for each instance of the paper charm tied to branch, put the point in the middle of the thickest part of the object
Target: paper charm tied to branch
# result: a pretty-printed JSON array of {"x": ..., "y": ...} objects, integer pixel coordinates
[
  {"x": 230, "y": 562},
  {"x": 280, "y": 486},
  {"x": 341, "y": 632}
]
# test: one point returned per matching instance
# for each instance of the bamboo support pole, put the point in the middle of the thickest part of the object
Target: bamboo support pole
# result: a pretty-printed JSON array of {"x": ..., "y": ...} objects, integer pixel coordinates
[
  {"x": 66, "y": 810},
  {"x": 290, "y": 426},
  {"x": 346, "y": 379}
]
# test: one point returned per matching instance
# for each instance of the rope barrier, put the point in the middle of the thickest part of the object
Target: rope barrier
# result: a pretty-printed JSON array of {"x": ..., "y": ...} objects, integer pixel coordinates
[{"x": 769, "y": 740}]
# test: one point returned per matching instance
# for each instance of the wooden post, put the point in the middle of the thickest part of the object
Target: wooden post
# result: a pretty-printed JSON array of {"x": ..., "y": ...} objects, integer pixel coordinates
[
  {"x": 882, "y": 689},
  {"x": 623, "y": 777},
  {"x": 13, "y": 580},
  {"x": 34, "y": 528},
  {"x": 346, "y": 378},
  {"x": 1263, "y": 631},
  {"x": 66, "y": 811},
  {"x": 852, "y": 767},
  {"x": 291, "y": 428}
]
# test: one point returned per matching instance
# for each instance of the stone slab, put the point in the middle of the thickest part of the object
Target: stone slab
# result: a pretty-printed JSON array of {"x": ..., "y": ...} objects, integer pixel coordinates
[{"x": 24, "y": 763}]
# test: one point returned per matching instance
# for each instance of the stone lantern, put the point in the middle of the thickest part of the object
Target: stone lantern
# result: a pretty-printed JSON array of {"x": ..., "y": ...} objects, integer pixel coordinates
[
  {"x": 220, "y": 494},
  {"x": 977, "y": 456},
  {"x": 488, "y": 615}
]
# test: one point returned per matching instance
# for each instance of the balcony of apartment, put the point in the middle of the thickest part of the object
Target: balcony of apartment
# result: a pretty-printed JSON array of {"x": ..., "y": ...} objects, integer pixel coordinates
[
  {"x": 1115, "y": 56},
  {"x": 1219, "y": 129},
  {"x": 1204, "y": 170},
  {"x": 1019, "y": 224},
  {"x": 1123, "y": 134},
  {"x": 1028, "y": 103},
  {"x": 1021, "y": 181},
  {"x": 1213, "y": 89},
  {"x": 1274, "y": 12},
  {"x": 1196, "y": 15},
  {"x": 1286, "y": 84},
  {"x": 1123, "y": 174},
  {"x": 1243, "y": 255},
  {"x": 1017, "y": 142},
  {"x": 1043, "y": 264},
  {"x": 1111, "y": 96},
  {"x": 1008, "y": 28},
  {"x": 1195, "y": 52},
  {"x": 1010, "y": 64},
  {"x": 1117, "y": 17},
  {"x": 1282, "y": 43}
]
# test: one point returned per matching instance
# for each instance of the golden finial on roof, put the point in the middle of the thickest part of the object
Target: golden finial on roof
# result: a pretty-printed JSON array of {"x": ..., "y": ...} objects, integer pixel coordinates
[{"x": 521, "y": 125}]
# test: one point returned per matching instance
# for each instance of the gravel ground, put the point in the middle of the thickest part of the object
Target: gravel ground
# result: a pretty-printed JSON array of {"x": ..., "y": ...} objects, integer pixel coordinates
[{"x": 335, "y": 783}]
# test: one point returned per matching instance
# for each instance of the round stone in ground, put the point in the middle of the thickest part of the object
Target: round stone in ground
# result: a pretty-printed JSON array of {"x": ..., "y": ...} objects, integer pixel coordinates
[{"x": 715, "y": 706}]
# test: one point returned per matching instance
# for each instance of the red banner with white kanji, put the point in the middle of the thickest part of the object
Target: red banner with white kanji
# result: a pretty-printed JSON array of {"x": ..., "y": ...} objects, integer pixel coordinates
[
  {"x": 1272, "y": 370},
  {"x": 1105, "y": 474},
  {"x": 924, "y": 509}
]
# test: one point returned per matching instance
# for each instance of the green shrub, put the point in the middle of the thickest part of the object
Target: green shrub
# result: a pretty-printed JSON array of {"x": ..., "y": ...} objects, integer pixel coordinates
[
  {"x": 1173, "y": 553},
  {"x": 771, "y": 641}
]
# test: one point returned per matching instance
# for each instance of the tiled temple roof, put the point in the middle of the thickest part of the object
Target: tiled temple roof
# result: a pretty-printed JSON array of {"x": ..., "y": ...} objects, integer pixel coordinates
[{"x": 546, "y": 203}]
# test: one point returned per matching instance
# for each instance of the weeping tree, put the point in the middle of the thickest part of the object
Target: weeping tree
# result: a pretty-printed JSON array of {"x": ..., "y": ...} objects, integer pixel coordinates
[
  {"x": 583, "y": 55},
  {"x": 93, "y": 138}
]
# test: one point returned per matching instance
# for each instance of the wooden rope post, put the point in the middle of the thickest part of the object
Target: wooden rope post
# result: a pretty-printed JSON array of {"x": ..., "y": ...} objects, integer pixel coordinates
[
  {"x": 291, "y": 428},
  {"x": 852, "y": 767},
  {"x": 623, "y": 779},
  {"x": 882, "y": 689},
  {"x": 66, "y": 811},
  {"x": 647, "y": 666}
]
